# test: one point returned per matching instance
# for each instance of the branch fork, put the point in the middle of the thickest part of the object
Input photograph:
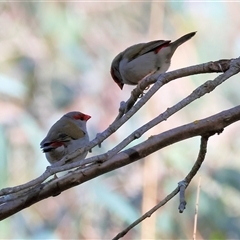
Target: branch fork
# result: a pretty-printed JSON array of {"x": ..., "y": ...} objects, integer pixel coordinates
[{"x": 17, "y": 198}]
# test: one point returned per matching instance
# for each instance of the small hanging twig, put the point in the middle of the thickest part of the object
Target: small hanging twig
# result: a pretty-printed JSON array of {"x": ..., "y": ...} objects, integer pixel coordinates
[{"x": 186, "y": 181}]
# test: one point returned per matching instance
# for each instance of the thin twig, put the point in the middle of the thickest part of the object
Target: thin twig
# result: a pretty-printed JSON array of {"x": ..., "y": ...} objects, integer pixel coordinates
[
  {"x": 191, "y": 174},
  {"x": 159, "y": 80},
  {"x": 164, "y": 78},
  {"x": 182, "y": 201},
  {"x": 205, "y": 88},
  {"x": 215, "y": 123},
  {"x": 147, "y": 214},
  {"x": 200, "y": 159},
  {"x": 217, "y": 66}
]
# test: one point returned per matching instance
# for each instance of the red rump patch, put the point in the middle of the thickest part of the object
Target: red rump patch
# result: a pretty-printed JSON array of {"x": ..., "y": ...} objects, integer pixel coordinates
[
  {"x": 56, "y": 144},
  {"x": 81, "y": 116},
  {"x": 162, "y": 46}
]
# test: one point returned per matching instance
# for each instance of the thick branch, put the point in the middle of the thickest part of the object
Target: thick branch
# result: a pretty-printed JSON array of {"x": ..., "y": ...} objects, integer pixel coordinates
[
  {"x": 218, "y": 66},
  {"x": 191, "y": 174},
  {"x": 231, "y": 68},
  {"x": 210, "y": 125}
]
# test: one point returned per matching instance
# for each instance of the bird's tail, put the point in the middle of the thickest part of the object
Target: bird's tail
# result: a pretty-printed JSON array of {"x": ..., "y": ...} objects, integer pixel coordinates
[{"x": 181, "y": 40}]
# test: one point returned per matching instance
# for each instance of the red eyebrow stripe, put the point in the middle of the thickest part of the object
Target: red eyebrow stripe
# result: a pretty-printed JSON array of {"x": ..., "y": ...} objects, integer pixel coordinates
[
  {"x": 161, "y": 46},
  {"x": 81, "y": 116}
]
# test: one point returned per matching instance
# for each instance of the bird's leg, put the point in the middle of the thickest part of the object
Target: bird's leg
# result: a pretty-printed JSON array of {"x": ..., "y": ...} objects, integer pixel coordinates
[{"x": 146, "y": 88}]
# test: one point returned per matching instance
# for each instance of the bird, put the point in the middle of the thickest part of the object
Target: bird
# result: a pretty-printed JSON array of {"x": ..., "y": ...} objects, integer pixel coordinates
[
  {"x": 68, "y": 134},
  {"x": 141, "y": 60}
]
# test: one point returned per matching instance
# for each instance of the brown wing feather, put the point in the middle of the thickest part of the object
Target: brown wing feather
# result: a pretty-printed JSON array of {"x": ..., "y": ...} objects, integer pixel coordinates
[
  {"x": 66, "y": 129},
  {"x": 143, "y": 48},
  {"x": 75, "y": 131},
  {"x": 151, "y": 46}
]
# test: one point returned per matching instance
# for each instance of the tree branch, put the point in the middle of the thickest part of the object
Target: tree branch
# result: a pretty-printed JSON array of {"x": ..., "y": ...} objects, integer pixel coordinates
[
  {"x": 232, "y": 68},
  {"x": 210, "y": 125},
  {"x": 19, "y": 197},
  {"x": 185, "y": 183},
  {"x": 162, "y": 79}
]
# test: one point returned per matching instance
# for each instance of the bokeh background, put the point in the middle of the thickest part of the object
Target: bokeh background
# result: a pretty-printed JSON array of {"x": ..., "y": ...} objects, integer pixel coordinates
[{"x": 55, "y": 57}]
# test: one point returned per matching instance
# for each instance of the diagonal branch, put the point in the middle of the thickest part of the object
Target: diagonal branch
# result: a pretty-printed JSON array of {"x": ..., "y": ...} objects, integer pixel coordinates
[
  {"x": 163, "y": 79},
  {"x": 222, "y": 65},
  {"x": 197, "y": 93},
  {"x": 191, "y": 174},
  {"x": 210, "y": 67},
  {"x": 210, "y": 125},
  {"x": 194, "y": 170}
]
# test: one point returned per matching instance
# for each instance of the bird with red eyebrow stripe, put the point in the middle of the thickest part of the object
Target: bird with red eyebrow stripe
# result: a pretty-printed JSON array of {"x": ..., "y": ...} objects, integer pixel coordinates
[
  {"x": 67, "y": 135},
  {"x": 141, "y": 60}
]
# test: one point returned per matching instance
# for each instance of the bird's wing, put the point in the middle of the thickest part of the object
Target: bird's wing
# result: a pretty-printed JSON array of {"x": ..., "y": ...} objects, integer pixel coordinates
[
  {"x": 68, "y": 132},
  {"x": 74, "y": 130},
  {"x": 143, "y": 48}
]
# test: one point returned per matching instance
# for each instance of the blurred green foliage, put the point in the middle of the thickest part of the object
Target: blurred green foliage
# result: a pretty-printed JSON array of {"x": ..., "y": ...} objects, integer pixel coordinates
[{"x": 55, "y": 57}]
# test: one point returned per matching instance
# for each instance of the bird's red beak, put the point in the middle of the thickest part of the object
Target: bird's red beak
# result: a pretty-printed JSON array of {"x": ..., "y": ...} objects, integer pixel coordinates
[{"x": 86, "y": 117}]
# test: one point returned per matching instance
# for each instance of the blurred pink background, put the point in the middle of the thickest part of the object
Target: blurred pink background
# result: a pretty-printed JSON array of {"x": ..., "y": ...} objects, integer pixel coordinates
[{"x": 56, "y": 56}]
